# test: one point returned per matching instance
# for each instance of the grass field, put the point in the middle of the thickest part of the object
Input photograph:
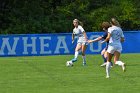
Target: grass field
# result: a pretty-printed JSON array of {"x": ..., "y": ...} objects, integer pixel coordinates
[{"x": 48, "y": 74}]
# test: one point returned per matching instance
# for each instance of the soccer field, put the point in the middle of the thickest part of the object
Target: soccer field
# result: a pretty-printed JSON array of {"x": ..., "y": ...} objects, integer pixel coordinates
[{"x": 48, "y": 74}]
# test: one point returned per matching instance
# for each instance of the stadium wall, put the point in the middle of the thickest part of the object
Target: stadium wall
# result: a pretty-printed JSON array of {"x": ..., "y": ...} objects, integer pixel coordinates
[{"x": 58, "y": 44}]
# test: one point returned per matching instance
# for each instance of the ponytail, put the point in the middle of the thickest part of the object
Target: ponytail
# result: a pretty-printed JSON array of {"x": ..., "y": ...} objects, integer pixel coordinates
[{"x": 115, "y": 22}]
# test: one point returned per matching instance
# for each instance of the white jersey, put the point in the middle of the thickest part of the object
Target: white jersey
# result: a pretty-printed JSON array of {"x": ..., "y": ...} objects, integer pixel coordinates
[
  {"x": 79, "y": 33},
  {"x": 115, "y": 39},
  {"x": 116, "y": 34}
]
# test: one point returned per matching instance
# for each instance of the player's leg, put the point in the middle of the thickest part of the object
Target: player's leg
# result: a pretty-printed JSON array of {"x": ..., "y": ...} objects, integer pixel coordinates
[
  {"x": 116, "y": 56},
  {"x": 78, "y": 47},
  {"x": 84, "y": 47},
  {"x": 110, "y": 51},
  {"x": 104, "y": 56},
  {"x": 108, "y": 64},
  {"x": 116, "y": 60}
]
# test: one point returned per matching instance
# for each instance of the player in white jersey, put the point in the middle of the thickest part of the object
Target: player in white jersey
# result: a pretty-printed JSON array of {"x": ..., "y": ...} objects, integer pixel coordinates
[
  {"x": 81, "y": 40},
  {"x": 115, "y": 37},
  {"x": 105, "y": 26}
]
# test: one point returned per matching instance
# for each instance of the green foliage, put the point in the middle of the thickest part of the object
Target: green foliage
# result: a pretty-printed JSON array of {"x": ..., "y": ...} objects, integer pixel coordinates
[{"x": 55, "y": 16}]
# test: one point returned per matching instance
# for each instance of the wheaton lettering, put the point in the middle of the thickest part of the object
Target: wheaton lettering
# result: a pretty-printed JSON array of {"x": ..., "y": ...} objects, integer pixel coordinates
[{"x": 39, "y": 45}]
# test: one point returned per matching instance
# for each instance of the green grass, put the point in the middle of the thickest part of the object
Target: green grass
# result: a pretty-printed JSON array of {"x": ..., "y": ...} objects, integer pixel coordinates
[{"x": 48, "y": 74}]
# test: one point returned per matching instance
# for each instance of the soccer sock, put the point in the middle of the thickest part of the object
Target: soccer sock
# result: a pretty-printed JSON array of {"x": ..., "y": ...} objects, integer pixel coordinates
[
  {"x": 84, "y": 59},
  {"x": 111, "y": 63},
  {"x": 108, "y": 65},
  {"x": 120, "y": 63},
  {"x": 104, "y": 58},
  {"x": 75, "y": 56}
]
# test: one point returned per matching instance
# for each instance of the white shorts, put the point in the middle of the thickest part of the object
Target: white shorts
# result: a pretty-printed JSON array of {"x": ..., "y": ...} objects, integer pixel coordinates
[
  {"x": 112, "y": 49},
  {"x": 83, "y": 43}
]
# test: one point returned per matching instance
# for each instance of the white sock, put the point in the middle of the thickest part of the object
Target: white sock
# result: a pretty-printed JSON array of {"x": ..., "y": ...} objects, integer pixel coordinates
[
  {"x": 108, "y": 66},
  {"x": 84, "y": 59},
  {"x": 76, "y": 54},
  {"x": 120, "y": 63}
]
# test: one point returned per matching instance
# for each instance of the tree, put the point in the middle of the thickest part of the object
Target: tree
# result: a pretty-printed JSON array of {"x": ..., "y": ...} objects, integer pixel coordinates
[{"x": 55, "y": 16}]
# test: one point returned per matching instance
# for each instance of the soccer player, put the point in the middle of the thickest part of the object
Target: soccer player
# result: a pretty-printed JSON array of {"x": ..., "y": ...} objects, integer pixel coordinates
[
  {"x": 105, "y": 26},
  {"x": 115, "y": 37},
  {"x": 81, "y": 40}
]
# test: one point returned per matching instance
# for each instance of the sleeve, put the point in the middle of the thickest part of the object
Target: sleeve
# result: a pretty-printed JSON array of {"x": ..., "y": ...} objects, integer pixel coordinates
[
  {"x": 122, "y": 35},
  {"x": 109, "y": 30},
  {"x": 81, "y": 28},
  {"x": 104, "y": 35},
  {"x": 73, "y": 31}
]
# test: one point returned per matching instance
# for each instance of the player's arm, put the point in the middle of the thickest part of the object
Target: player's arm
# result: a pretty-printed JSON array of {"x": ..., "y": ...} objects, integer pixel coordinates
[
  {"x": 107, "y": 38},
  {"x": 94, "y": 40},
  {"x": 73, "y": 37},
  {"x": 85, "y": 35},
  {"x": 122, "y": 38}
]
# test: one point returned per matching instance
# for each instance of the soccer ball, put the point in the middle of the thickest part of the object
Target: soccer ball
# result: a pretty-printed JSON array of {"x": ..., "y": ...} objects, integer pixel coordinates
[{"x": 69, "y": 64}]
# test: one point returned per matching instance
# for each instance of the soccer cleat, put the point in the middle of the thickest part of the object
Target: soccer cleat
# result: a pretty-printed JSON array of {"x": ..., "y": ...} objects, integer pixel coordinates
[
  {"x": 74, "y": 60},
  {"x": 104, "y": 64},
  {"x": 123, "y": 67},
  {"x": 107, "y": 76},
  {"x": 84, "y": 63}
]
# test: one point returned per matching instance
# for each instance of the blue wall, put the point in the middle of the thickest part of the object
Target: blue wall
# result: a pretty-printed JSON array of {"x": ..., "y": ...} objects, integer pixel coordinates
[
  {"x": 132, "y": 42},
  {"x": 58, "y": 44}
]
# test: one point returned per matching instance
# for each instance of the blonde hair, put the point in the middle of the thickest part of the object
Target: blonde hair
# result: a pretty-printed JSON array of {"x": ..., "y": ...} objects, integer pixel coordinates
[
  {"x": 79, "y": 22},
  {"x": 115, "y": 22}
]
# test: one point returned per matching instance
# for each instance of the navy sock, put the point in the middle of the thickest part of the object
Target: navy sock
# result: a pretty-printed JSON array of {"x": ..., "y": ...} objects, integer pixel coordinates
[
  {"x": 111, "y": 63},
  {"x": 105, "y": 59}
]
